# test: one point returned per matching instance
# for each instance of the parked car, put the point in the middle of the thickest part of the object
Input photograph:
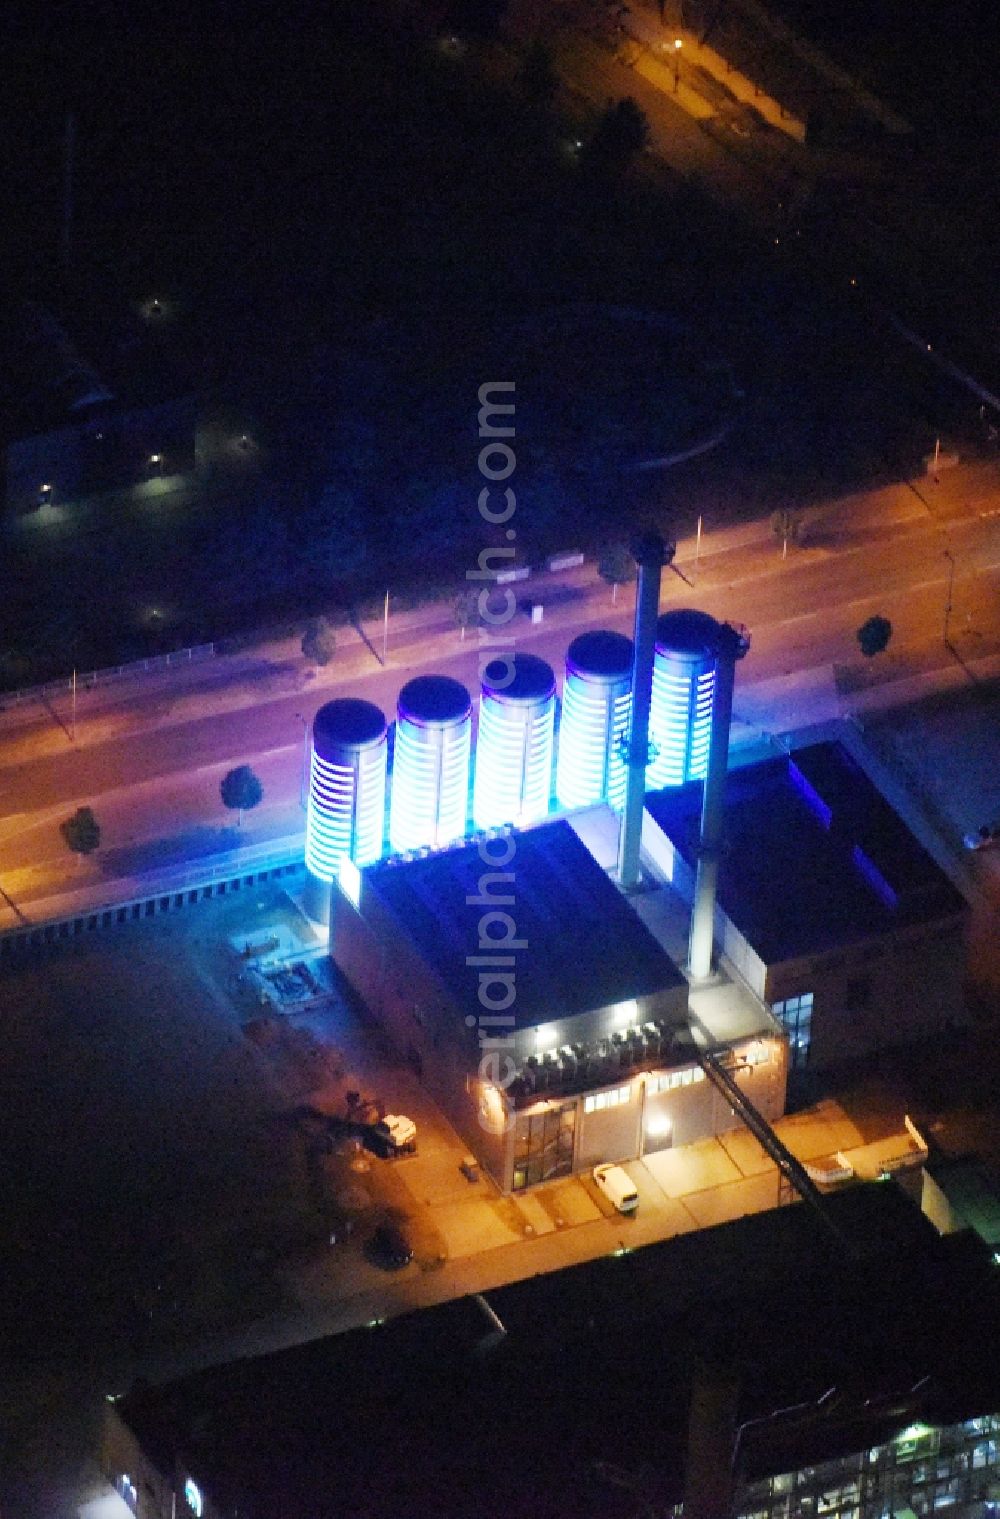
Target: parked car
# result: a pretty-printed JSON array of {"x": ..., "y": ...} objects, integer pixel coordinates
[
  {"x": 617, "y": 1186},
  {"x": 390, "y": 1247},
  {"x": 402, "y": 1131},
  {"x": 393, "y": 1135},
  {"x": 983, "y": 838}
]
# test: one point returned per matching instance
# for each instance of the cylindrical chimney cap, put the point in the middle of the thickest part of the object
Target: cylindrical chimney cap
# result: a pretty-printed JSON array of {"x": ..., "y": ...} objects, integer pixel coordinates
[
  {"x": 601, "y": 653},
  {"x": 346, "y": 724},
  {"x": 522, "y": 677},
  {"x": 686, "y": 631},
  {"x": 649, "y": 549},
  {"x": 434, "y": 700}
]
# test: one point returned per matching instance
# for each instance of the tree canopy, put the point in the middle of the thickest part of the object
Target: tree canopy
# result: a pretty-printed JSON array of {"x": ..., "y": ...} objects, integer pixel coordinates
[
  {"x": 874, "y": 635},
  {"x": 81, "y": 832},
  {"x": 319, "y": 642},
  {"x": 621, "y": 134},
  {"x": 241, "y": 790}
]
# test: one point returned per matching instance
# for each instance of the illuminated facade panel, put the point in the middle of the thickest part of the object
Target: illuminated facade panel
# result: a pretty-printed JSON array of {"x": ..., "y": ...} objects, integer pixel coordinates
[
  {"x": 515, "y": 742},
  {"x": 430, "y": 783},
  {"x": 680, "y": 718},
  {"x": 345, "y": 811},
  {"x": 596, "y": 704}
]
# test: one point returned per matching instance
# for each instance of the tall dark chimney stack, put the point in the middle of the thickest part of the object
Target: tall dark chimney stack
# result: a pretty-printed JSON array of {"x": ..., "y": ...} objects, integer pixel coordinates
[
  {"x": 732, "y": 644},
  {"x": 650, "y": 554}
]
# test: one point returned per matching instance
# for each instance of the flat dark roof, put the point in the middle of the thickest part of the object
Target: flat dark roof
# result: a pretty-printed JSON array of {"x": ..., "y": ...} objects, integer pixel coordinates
[
  {"x": 584, "y": 947},
  {"x": 418, "y": 1415},
  {"x": 814, "y": 855}
]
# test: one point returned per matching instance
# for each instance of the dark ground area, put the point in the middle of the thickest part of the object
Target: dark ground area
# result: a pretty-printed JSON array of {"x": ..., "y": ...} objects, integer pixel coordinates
[
  {"x": 349, "y": 234},
  {"x": 155, "y": 1183}
]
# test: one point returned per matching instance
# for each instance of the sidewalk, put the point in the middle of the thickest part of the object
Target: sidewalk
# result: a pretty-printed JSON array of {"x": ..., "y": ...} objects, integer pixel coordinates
[{"x": 658, "y": 39}]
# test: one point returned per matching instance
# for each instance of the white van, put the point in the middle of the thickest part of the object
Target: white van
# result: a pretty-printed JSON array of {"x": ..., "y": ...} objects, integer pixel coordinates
[{"x": 617, "y": 1186}]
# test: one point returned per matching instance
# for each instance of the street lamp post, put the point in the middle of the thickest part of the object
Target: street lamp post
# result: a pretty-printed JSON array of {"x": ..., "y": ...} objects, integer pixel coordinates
[
  {"x": 951, "y": 583},
  {"x": 302, "y": 767},
  {"x": 678, "y": 44}
]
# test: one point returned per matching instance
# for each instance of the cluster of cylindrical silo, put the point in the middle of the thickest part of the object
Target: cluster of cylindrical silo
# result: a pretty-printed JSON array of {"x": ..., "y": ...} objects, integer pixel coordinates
[{"x": 432, "y": 759}]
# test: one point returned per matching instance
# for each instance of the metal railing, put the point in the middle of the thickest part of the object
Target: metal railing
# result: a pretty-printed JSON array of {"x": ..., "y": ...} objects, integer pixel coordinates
[
  {"x": 167, "y": 891},
  {"x": 86, "y": 681}
]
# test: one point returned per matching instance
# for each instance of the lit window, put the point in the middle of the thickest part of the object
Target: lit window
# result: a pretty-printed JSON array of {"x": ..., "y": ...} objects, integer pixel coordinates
[
  {"x": 795, "y": 1014},
  {"x": 669, "y": 1081},
  {"x": 193, "y": 1498},
  {"x": 616, "y": 1098},
  {"x": 626, "y": 1014}
]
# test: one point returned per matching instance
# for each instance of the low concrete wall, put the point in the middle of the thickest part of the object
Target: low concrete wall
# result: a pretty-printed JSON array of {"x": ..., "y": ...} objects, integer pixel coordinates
[{"x": 17, "y": 943}]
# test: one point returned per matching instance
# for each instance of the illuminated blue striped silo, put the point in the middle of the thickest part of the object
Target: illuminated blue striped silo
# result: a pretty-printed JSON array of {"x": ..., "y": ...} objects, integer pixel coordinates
[
  {"x": 680, "y": 717},
  {"x": 345, "y": 814},
  {"x": 430, "y": 774},
  {"x": 597, "y": 696},
  {"x": 517, "y": 713}
]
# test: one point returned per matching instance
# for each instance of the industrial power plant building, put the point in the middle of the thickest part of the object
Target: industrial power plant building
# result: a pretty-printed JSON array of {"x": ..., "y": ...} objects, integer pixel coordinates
[
  {"x": 828, "y": 908},
  {"x": 544, "y": 1018},
  {"x": 835, "y": 933}
]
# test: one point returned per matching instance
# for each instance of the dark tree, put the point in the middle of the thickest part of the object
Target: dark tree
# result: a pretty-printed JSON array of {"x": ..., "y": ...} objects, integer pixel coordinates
[
  {"x": 319, "y": 642},
  {"x": 329, "y": 537},
  {"x": 621, "y": 134},
  {"x": 81, "y": 832},
  {"x": 874, "y": 635},
  {"x": 241, "y": 791},
  {"x": 479, "y": 18},
  {"x": 617, "y": 567},
  {"x": 246, "y": 557}
]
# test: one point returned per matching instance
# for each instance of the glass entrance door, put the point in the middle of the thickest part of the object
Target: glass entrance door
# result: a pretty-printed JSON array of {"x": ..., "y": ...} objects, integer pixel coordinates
[{"x": 543, "y": 1146}]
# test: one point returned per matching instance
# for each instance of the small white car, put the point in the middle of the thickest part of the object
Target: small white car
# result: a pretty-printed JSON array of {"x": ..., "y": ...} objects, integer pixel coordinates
[
  {"x": 617, "y": 1186},
  {"x": 402, "y": 1131}
]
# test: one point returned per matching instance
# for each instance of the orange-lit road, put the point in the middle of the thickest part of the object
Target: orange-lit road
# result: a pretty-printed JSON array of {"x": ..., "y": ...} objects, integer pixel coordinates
[{"x": 149, "y": 754}]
